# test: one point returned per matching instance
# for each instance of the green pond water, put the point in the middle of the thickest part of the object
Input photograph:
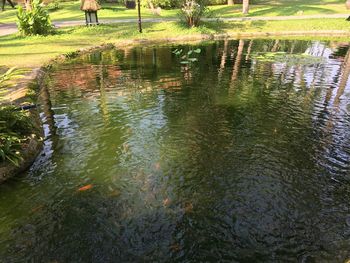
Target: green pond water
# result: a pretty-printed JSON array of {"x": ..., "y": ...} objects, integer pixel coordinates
[{"x": 241, "y": 156}]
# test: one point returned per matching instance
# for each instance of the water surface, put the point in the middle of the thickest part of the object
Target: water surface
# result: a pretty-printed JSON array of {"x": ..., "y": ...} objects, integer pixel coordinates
[{"x": 241, "y": 156}]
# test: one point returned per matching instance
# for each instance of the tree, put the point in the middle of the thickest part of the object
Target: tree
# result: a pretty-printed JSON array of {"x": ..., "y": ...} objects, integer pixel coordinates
[
  {"x": 230, "y": 2},
  {"x": 3, "y": 4},
  {"x": 245, "y": 7}
]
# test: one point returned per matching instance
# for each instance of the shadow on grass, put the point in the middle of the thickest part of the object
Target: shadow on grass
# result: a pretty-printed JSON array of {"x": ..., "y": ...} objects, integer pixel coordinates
[
  {"x": 227, "y": 10},
  {"x": 292, "y": 10},
  {"x": 224, "y": 27},
  {"x": 8, "y": 13},
  {"x": 299, "y": 2},
  {"x": 114, "y": 9}
]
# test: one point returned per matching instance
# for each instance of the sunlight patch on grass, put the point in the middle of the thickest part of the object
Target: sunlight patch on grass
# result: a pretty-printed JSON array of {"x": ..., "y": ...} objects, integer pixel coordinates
[{"x": 70, "y": 11}]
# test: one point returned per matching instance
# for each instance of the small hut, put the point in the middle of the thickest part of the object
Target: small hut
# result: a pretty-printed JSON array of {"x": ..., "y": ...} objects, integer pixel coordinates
[{"x": 90, "y": 7}]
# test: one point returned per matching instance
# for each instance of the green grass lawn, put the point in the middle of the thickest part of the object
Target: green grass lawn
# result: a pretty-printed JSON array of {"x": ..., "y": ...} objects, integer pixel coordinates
[
  {"x": 70, "y": 11},
  {"x": 28, "y": 52},
  {"x": 280, "y": 10}
]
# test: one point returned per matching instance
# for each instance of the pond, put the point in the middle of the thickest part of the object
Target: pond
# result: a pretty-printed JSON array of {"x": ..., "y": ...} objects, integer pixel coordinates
[{"x": 241, "y": 153}]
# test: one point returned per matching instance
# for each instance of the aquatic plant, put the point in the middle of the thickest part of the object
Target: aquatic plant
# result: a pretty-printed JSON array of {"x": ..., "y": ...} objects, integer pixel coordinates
[
  {"x": 289, "y": 59},
  {"x": 187, "y": 57}
]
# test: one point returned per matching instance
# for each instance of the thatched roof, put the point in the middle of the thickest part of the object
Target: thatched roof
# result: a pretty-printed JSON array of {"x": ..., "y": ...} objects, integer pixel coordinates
[{"x": 89, "y": 5}]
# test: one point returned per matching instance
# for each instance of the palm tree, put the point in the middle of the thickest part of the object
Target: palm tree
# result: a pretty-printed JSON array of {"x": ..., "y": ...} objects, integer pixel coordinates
[{"x": 245, "y": 7}]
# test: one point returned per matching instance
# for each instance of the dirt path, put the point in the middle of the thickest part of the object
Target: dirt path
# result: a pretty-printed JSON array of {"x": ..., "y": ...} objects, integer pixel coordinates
[{"x": 7, "y": 29}]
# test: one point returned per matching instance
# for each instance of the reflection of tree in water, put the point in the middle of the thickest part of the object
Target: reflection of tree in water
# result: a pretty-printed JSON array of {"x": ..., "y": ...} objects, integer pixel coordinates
[{"x": 248, "y": 213}]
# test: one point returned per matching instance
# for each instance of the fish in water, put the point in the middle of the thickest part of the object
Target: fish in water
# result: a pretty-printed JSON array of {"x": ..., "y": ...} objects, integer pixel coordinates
[
  {"x": 166, "y": 202},
  {"x": 86, "y": 187}
]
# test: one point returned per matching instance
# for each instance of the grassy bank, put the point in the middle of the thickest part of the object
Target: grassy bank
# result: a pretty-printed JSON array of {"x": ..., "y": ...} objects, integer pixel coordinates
[
  {"x": 70, "y": 11},
  {"x": 33, "y": 51}
]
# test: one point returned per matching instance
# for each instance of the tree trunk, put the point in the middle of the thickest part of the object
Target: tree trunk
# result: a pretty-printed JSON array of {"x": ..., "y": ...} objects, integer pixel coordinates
[
  {"x": 230, "y": 2},
  {"x": 347, "y": 3},
  {"x": 28, "y": 5},
  {"x": 245, "y": 7},
  {"x": 151, "y": 6}
]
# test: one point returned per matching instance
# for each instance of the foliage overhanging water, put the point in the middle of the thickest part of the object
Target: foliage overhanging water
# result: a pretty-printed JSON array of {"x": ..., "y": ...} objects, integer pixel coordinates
[{"x": 242, "y": 156}]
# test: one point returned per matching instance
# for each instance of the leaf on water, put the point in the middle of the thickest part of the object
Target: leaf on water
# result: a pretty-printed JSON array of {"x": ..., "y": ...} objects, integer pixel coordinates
[
  {"x": 177, "y": 52},
  {"x": 193, "y": 59},
  {"x": 85, "y": 188},
  {"x": 290, "y": 59}
]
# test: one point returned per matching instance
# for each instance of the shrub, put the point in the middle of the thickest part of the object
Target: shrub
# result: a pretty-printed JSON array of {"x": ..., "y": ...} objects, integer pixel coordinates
[
  {"x": 34, "y": 20},
  {"x": 13, "y": 120},
  {"x": 15, "y": 127},
  {"x": 192, "y": 11},
  {"x": 10, "y": 146},
  {"x": 54, "y": 5}
]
